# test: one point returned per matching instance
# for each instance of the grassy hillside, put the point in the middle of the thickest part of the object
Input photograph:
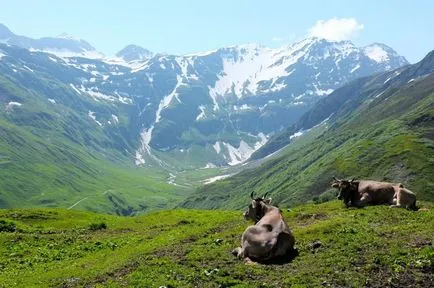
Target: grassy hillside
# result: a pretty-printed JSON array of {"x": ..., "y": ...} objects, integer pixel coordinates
[
  {"x": 52, "y": 154},
  {"x": 370, "y": 247},
  {"x": 384, "y": 132}
]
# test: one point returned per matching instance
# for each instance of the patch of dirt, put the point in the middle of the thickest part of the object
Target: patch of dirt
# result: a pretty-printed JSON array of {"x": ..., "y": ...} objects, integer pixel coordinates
[
  {"x": 384, "y": 277},
  {"x": 420, "y": 242},
  {"x": 314, "y": 216}
]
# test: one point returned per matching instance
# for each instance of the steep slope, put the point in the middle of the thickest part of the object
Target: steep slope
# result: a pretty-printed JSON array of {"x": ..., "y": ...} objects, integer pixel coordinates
[
  {"x": 372, "y": 247},
  {"x": 378, "y": 127},
  {"x": 56, "y": 149}
]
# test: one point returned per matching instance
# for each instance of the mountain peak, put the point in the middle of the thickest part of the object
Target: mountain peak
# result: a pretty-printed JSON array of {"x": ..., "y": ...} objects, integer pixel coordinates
[
  {"x": 5, "y": 32},
  {"x": 134, "y": 52},
  {"x": 380, "y": 53},
  {"x": 67, "y": 36}
]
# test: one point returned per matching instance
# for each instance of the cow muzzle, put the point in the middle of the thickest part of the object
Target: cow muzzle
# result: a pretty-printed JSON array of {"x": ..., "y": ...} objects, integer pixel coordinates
[
  {"x": 246, "y": 215},
  {"x": 340, "y": 197}
]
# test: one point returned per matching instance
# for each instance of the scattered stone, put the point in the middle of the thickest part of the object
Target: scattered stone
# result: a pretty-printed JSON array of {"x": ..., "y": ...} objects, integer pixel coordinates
[
  {"x": 208, "y": 273},
  {"x": 218, "y": 241},
  {"x": 315, "y": 245}
]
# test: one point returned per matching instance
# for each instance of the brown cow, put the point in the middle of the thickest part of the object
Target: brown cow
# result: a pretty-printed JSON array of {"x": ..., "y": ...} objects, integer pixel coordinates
[
  {"x": 270, "y": 238},
  {"x": 366, "y": 192}
]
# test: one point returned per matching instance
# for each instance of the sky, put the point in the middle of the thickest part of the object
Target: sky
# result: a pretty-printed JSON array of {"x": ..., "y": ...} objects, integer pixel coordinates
[{"x": 182, "y": 27}]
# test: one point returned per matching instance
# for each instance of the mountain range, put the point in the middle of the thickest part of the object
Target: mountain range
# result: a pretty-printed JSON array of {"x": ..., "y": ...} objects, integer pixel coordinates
[
  {"x": 86, "y": 118},
  {"x": 378, "y": 127},
  {"x": 206, "y": 109}
]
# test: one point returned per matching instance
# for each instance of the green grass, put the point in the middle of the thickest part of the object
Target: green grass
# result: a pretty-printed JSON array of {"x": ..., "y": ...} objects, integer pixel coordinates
[{"x": 370, "y": 247}]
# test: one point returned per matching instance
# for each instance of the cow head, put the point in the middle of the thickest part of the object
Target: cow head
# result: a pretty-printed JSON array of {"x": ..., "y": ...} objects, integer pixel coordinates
[
  {"x": 257, "y": 207},
  {"x": 346, "y": 189}
]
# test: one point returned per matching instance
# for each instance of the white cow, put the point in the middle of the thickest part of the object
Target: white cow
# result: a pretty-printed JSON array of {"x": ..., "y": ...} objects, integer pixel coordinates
[{"x": 270, "y": 238}]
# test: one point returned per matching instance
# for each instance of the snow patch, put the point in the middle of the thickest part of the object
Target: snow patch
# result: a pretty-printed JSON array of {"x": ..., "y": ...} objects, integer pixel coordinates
[
  {"x": 296, "y": 134},
  {"x": 209, "y": 165},
  {"x": 378, "y": 95},
  {"x": 11, "y": 105},
  {"x": 52, "y": 100},
  {"x": 376, "y": 53},
  {"x": 168, "y": 99},
  {"x": 244, "y": 150},
  {"x": 91, "y": 114},
  {"x": 115, "y": 118},
  {"x": 202, "y": 113},
  {"x": 217, "y": 147},
  {"x": 246, "y": 67},
  {"x": 355, "y": 68},
  {"x": 139, "y": 159},
  {"x": 216, "y": 178},
  {"x": 75, "y": 88},
  {"x": 31, "y": 70},
  {"x": 94, "y": 93}
]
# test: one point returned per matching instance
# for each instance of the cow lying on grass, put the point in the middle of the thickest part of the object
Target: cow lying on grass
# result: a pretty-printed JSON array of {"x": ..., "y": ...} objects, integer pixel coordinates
[
  {"x": 360, "y": 193},
  {"x": 270, "y": 238}
]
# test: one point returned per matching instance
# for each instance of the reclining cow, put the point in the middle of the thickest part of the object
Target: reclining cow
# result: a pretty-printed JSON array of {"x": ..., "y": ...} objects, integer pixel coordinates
[
  {"x": 365, "y": 192},
  {"x": 270, "y": 238}
]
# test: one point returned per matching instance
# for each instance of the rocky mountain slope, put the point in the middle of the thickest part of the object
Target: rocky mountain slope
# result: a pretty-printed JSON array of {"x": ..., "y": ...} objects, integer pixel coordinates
[
  {"x": 378, "y": 127},
  {"x": 205, "y": 109}
]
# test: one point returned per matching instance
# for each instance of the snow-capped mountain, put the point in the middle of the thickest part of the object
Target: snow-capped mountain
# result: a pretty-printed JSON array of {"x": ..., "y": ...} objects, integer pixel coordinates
[
  {"x": 204, "y": 109},
  {"x": 134, "y": 53},
  {"x": 62, "y": 45}
]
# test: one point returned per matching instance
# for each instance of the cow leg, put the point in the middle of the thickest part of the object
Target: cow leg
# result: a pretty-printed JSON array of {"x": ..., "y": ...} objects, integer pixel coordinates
[
  {"x": 238, "y": 252},
  {"x": 364, "y": 200},
  {"x": 249, "y": 261}
]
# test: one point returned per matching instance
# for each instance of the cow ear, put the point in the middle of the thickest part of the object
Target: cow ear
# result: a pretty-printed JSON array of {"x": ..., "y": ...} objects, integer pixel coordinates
[
  {"x": 334, "y": 178},
  {"x": 267, "y": 201}
]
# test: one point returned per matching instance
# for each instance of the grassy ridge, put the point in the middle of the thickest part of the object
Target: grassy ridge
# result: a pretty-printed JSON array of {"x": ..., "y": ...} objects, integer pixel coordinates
[{"x": 371, "y": 247}]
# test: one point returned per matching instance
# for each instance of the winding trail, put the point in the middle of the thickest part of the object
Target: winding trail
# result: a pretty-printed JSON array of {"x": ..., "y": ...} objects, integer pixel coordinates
[{"x": 76, "y": 203}]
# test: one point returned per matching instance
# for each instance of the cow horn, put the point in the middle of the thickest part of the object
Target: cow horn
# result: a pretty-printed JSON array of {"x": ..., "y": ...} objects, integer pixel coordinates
[
  {"x": 334, "y": 178},
  {"x": 251, "y": 195},
  {"x": 265, "y": 195},
  {"x": 352, "y": 180}
]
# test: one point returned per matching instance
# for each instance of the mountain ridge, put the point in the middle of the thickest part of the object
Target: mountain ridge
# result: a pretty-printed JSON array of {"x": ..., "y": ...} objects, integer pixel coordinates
[{"x": 377, "y": 127}]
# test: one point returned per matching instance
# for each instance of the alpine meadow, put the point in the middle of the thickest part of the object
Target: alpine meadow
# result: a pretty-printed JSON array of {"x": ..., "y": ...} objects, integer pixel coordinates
[{"x": 304, "y": 161}]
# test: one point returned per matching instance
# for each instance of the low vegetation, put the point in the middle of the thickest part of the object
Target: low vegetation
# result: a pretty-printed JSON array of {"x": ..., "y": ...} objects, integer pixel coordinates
[{"x": 337, "y": 247}]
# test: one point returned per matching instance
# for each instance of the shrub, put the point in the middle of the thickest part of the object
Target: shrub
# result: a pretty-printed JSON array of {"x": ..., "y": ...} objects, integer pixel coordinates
[
  {"x": 97, "y": 226},
  {"x": 7, "y": 226}
]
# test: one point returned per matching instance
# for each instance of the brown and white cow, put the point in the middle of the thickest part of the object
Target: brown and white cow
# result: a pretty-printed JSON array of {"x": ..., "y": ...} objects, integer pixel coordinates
[
  {"x": 270, "y": 238},
  {"x": 360, "y": 193}
]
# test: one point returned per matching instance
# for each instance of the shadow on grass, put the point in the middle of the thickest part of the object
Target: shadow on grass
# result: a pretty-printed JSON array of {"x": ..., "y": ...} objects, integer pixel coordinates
[
  {"x": 285, "y": 259},
  {"x": 282, "y": 260}
]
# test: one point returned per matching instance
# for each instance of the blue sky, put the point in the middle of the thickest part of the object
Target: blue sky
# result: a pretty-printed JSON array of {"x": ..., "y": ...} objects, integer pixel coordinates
[{"x": 179, "y": 27}]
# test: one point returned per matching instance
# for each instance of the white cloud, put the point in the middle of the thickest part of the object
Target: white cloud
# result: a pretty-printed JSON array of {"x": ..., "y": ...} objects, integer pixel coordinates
[{"x": 336, "y": 29}]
